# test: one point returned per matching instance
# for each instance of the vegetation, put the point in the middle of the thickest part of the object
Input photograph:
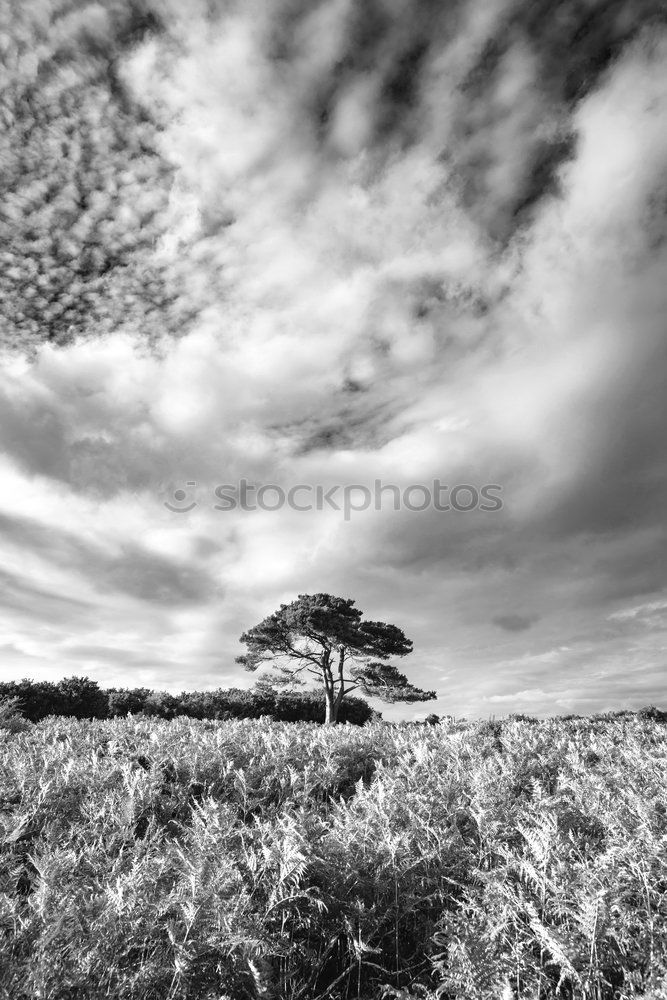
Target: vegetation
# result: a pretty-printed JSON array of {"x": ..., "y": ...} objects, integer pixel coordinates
[
  {"x": 83, "y": 699},
  {"x": 238, "y": 859},
  {"x": 326, "y": 637}
]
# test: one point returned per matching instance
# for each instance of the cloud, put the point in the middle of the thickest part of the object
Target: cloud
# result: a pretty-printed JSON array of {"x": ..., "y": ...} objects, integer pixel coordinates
[
  {"x": 84, "y": 185},
  {"x": 640, "y": 612},
  {"x": 529, "y": 695},
  {"x": 129, "y": 567},
  {"x": 514, "y": 623},
  {"x": 327, "y": 244}
]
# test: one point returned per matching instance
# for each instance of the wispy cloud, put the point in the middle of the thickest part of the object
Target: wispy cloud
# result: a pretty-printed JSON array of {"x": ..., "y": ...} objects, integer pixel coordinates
[{"x": 646, "y": 614}]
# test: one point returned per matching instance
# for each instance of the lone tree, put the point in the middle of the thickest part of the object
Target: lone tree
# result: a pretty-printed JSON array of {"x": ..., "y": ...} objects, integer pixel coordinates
[{"x": 326, "y": 637}]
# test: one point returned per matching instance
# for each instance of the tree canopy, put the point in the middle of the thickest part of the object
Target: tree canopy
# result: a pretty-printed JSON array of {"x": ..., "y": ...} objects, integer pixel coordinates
[{"x": 327, "y": 637}]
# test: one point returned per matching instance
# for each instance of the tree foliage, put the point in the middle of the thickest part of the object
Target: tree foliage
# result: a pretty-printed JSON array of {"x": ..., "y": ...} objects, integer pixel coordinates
[
  {"x": 326, "y": 637},
  {"x": 72, "y": 696},
  {"x": 82, "y": 698}
]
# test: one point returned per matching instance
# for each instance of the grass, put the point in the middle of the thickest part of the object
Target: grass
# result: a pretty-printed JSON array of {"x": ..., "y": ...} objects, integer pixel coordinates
[{"x": 246, "y": 859}]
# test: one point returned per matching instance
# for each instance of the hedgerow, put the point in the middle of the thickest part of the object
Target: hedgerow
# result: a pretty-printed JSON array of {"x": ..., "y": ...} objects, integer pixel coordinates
[{"x": 82, "y": 698}]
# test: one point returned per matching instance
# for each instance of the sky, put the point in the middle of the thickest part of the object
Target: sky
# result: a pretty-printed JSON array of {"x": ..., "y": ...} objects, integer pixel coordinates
[{"x": 326, "y": 243}]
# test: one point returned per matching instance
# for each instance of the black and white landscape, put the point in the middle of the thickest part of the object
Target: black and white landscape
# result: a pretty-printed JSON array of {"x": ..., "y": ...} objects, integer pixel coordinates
[{"x": 333, "y": 349}]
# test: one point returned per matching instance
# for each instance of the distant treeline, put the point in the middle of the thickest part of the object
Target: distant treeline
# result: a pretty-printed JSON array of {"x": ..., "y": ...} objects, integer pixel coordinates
[{"x": 84, "y": 699}]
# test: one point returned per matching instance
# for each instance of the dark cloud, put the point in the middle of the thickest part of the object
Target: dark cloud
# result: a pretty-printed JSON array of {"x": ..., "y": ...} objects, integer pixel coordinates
[
  {"x": 132, "y": 570},
  {"x": 566, "y": 48},
  {"x": 108, "y": 654},
  {"x": 625, "y": 482},
  {"x": 569, "y": 48},
  {"x": 83, "y": 185},
  {"x": 41, "y": 604},
  {"x": 95, "y": 453},
  {"x": 575, "y": 44},
  {"x": 515, "y": 623}
]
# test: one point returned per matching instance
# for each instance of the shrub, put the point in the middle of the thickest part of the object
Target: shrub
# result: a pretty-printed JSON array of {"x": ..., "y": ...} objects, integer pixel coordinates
[
  {"x": 38, "y": 699},
  {"x": 162, "y": 705},
  {"x": 82, "y": 698},
  {"x": 120, "y": 701},
  {"x": 652, "y": 713},
  {"x": 11, "y": 719}
]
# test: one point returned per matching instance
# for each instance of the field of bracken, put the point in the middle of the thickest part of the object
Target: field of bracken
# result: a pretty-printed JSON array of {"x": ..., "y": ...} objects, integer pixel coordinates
[{"x": 243, "y": 859}]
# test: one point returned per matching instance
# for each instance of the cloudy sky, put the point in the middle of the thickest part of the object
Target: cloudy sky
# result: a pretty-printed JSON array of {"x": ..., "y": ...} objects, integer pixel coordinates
[{"x": 327, "y": 243}]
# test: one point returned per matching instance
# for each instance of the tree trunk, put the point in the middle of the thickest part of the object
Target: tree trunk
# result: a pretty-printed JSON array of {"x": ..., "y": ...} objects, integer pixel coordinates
[
  {"x": 333, "y": 700},
  {"x": 331, "y": 709}
]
